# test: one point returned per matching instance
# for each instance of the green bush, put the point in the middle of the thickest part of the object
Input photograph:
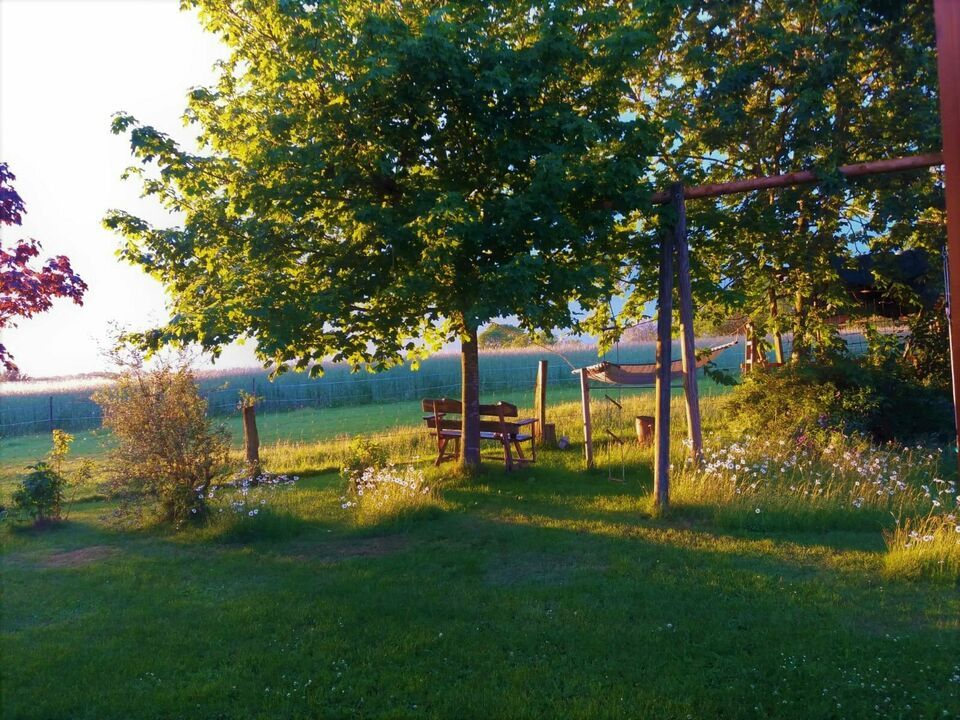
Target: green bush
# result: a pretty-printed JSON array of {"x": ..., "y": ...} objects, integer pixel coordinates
[
  {"x": 868, "y": 395},
  {"x": 40, "y": 494}
]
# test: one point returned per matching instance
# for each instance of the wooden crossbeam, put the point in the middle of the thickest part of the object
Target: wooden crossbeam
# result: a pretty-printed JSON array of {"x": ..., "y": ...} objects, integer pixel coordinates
[{"x": 802, "y": 177}]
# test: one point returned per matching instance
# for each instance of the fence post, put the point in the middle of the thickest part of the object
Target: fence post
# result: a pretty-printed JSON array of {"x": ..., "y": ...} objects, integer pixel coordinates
[
  {"x": 251, "y": 440},
  {"x": 50, "y": 407}
]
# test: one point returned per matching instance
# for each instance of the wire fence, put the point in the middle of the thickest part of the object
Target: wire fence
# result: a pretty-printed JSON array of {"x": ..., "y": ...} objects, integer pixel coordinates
[{"x": 500, "y": 373}]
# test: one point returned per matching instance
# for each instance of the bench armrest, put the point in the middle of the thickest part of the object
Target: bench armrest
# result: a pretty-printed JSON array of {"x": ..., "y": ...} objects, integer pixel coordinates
[{"x": 525, "y": 421}]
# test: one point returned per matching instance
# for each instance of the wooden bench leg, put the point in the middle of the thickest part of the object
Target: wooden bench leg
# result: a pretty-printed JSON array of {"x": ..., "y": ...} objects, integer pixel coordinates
[
  {"x": 507, "y": 457},
  {"x": 441, "y": 446}
]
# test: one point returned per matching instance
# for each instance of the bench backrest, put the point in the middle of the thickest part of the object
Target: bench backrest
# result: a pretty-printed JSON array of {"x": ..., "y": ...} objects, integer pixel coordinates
[
  {"x": 492, "y": 417},
  {"x": 455, "y": 407}
]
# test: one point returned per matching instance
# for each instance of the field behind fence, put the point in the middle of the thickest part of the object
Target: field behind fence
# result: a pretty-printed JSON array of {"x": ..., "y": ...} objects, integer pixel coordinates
[{"x": 31, "y": 408}]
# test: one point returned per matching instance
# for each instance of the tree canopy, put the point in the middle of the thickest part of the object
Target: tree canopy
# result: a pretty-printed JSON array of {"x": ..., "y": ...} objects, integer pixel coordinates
[
  {"x": 749, "y": 89},
  {"x": 371, "y": 173},
  {"x": 24, "y": 290}
]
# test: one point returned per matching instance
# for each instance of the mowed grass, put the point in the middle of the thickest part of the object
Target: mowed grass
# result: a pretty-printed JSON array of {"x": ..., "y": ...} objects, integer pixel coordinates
[{"x": 549, "y": 592}]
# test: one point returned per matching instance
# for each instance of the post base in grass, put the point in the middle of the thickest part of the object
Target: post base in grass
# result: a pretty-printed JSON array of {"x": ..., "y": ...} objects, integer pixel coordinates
[
  {"x": 548, "y": 437},
  {"x": 645, "y": 425}
]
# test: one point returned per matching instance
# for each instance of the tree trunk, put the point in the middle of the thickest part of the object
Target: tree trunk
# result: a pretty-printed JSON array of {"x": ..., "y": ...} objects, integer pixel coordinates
[{"x": 470, "y": 397}]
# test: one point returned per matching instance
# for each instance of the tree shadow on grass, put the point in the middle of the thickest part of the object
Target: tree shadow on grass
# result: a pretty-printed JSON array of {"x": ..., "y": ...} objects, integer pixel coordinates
[{"x": 475, "y": 613}]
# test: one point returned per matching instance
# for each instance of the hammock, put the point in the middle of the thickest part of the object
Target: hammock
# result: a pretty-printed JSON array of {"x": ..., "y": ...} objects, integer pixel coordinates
[{"x": 645, "y": 374}]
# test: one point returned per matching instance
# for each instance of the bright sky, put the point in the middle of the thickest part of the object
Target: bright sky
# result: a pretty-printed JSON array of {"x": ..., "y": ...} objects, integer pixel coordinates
[{"x": 65, "y": 67}]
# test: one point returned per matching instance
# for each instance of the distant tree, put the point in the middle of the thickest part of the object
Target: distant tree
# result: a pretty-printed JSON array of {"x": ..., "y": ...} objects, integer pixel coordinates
[
  {"x": 499, "y": 335},
  {"x": 25, "y": 290},
  {"x": 376, "y": 179}
]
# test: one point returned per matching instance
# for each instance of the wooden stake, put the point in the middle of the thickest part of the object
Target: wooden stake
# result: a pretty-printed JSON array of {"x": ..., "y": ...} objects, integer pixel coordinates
[
  {"x": 947, "y": 20},
  {"x": 687, "y": 347},
  {"x": 540, "y": 400},
  {"x": 661, "y": 448},
  {"x": 251, "y": 439},
  {"x": 587, "y": 430}
]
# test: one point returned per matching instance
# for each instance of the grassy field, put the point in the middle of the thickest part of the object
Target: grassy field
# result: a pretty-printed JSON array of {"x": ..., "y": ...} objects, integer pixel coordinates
[
  {"x": 26, "y": 408},
  {"x": 550, "y": 592}
]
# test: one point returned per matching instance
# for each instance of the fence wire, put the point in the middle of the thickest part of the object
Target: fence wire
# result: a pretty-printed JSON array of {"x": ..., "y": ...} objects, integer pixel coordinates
[{"x": 29, "y": 414}]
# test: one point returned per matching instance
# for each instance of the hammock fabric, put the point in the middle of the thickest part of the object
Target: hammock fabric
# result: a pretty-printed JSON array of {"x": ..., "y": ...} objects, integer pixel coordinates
[{"x": 645, "y": 374}]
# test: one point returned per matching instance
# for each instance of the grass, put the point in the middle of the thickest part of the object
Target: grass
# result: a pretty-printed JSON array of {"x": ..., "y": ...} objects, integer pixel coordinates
[
  {"x": 543, "y": 593},
  {"x": 547, "y": 592}
]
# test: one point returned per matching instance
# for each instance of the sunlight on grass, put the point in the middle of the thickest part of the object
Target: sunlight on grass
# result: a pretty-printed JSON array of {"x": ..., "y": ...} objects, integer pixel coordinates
[{"x": 927, "y": 547}]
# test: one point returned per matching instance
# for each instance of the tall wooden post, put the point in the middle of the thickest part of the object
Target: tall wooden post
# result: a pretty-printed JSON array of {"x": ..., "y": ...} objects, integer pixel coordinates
[
  {"x": 947, "y": 20},
  {"x": 587, "y": 429},
  {"x": 687, "y": 348},
  {"x": 540, "y": 400},
  {"x": 661, "y": 446}
]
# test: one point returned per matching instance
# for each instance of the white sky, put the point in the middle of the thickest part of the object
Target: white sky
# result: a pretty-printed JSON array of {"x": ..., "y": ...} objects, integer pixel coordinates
[{"x": 65, "y": 67}]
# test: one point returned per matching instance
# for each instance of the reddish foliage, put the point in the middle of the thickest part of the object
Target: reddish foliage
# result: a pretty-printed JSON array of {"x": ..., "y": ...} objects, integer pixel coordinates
[{"x": 26, "y": 291}]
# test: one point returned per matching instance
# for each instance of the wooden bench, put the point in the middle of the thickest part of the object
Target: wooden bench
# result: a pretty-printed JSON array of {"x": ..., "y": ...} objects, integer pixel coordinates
[{"x": 443, "y": 420}]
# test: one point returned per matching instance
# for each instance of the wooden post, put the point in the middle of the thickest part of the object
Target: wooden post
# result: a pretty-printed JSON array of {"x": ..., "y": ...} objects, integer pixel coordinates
[
  {"x": 661, "y": 448},
  {"x": 251, "y": 440},
  {"x": 947, "y": 20},
  {"x": 50, "y": 408},
  {"x": 540, "y": 401},
  {"x": 587, "y": 429},
  {"x": 687, "y": 347}
]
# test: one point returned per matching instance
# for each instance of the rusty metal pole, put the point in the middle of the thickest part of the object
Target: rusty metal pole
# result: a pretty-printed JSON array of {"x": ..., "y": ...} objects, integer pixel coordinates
[{"x": 947, "y": 17}]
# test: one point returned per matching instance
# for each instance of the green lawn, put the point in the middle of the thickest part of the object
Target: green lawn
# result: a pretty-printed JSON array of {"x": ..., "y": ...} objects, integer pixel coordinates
[{"x": 545, "y": 593}]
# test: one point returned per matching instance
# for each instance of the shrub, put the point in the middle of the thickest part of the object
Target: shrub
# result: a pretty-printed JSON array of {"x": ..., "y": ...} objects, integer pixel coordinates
[
  {"x": 167, "y": 451},
  {"x": 40, "y": 494},
  {"x": 873, "y": 395}
]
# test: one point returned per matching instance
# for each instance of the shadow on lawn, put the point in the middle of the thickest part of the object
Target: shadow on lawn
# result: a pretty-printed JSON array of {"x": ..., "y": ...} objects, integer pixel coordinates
[{"x": 499, "y": 605}]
